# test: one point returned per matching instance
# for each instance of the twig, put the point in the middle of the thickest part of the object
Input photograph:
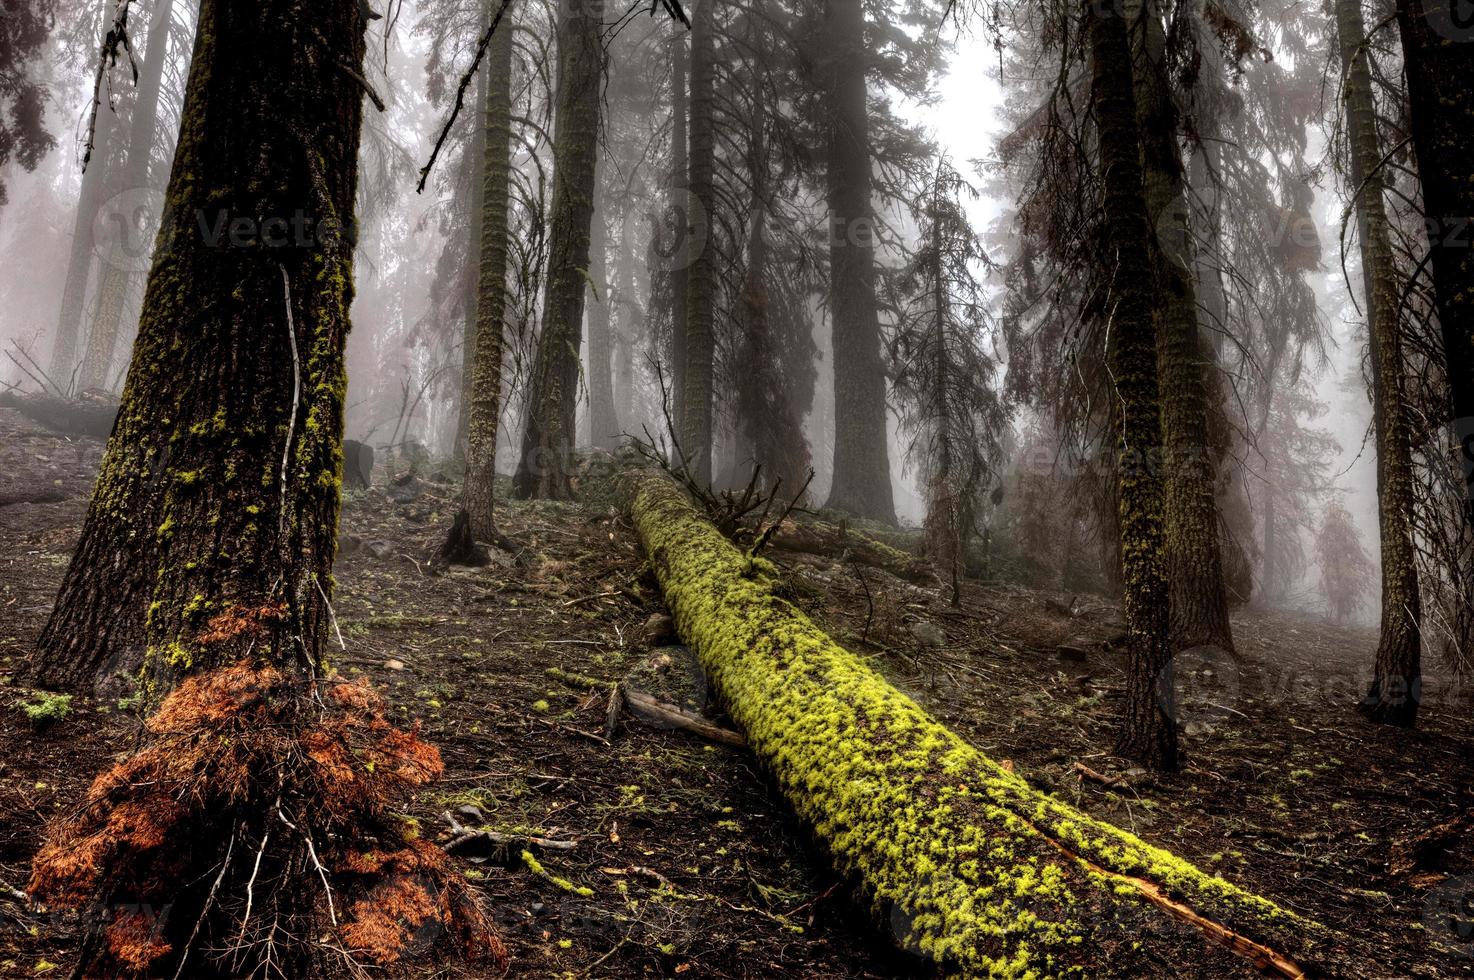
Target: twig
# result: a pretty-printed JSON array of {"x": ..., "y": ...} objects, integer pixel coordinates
[
  {"x": 209, "y": 901},
  {"x": 461, "y": 94},
  {"x": 286, "y": 450},
  {"x": 321, "y": 871},
  {"x": 363, "y": 83}
]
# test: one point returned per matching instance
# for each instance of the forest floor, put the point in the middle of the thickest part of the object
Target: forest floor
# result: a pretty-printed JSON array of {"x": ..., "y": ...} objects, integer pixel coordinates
[{"x": 685, "y": 861}]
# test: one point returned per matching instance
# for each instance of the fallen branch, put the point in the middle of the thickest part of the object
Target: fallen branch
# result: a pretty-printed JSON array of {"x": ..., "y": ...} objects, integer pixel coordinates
[
  {"x": 671, "y": 716},
  {"x": 975, "y": 868}
]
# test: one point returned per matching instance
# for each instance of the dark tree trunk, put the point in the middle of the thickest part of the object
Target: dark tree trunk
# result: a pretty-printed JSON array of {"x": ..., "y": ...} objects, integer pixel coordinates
[
  {"x": 119, "y": 262},
  {"x": 862, "y": 471},
  {"x": 218, "y": 492},
  {"x": 547, "y": 441},
  {"x": 1438, "y": 56},
  {"x": 1199, "y": 599},
  {"x": 696, "y": 391},
  {"x": 1396, "y": 685},
  {"x": 1148, "y": 734},
  {"x": 485, "y": 394}
]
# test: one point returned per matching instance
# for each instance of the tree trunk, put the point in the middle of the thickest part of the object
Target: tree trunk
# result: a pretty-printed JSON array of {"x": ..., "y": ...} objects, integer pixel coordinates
[
  {"x": 603, "y": 420},
  {"x": 1149, "y": 734},
  {"x": 862, "y": 471},
  {"x": 218, "y": 491},
  {"x": 696, "y": 392},
  {"x": 485, "y": 395},
  {"x": 1199, "y": 599},
  {"x": 927, "y": 824},
  {"x": 1396, "y": 685},
  {"x": 680, "y": 257},
  {"x": 126, "y": 256},
  {"x": 94, "y": 193},
  {"x": 1438, "y": 56},
  {"x": 547, "y": 441},
  {"x": 475, "y": 241}
]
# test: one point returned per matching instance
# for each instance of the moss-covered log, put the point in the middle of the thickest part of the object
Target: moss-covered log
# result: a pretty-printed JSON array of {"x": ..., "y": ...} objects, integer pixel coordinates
[{"x": 973, "y": 868}]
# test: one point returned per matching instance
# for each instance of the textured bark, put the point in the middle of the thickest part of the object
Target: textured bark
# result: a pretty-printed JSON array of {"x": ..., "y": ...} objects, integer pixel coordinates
[
  {"x": 679, "y": 160},
  {"x": 603, "y": 420},
  {"x": 1396, "y": 685},
  {"x": 862, "y": 471},
  {"x": 118, "y": 275},
  {"x": 547, "y": 441},
  {"x": 696, "y": 392},
  {"x": 1148, "y": 734},
  {"x": 485, "y": 393},
  {"x": 1438, "y": 52},
  {"x": 475, "y": 238},
  {"x": 218, "y": 492},
  {"x": 974, "y": 869},
  {"x": 1199, "y": 599}
]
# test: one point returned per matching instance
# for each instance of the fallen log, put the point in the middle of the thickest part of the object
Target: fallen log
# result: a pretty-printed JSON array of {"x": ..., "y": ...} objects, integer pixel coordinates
[
  {"x": 973, "y": 868},
  {"x": 90, "y": 414},
  {"x": 813, "y": 537}
]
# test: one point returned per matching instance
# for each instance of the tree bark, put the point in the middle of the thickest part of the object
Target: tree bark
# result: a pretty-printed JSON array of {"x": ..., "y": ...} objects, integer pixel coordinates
[
  {"x": 1149, "y": 734},
  {"x": 117, "y": 264},
  {"x": 1396, "y": 685},
  {"x": 1199, "y": 599},
  {"x": 696, "y": 391},
  {"x": 475, "y": 240},
  {"x": 927, "y": 824},
  {"x": 680, "y": 257},
  {"x": 485, "y": 395},
  {"x": 862, "y": 473},
  {"x": 547, "y": 442},
  {"x": 64, "y": 362},
  {"x": 219, "y": 488},
  {"x": 603, "y": 420},
  {"x": 1438, "y": 56}
]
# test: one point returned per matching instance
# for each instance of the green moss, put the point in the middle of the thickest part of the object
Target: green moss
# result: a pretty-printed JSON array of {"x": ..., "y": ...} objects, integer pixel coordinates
[
  {"x": 533, "y": 865},
  {"x": 46, "y": 708},
  {"x": 962, "y": 856}
]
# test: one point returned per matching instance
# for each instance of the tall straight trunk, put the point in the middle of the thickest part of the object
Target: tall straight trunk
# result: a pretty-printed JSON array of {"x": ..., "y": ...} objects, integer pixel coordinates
[
  {"x": 696, "y": 391},
  {"x": 475, "y": 239},
  {"x": 862, "y": 471},
  {"x": 1438, "y": 56},
  {"x": 624, "y": 355},
  {"x": 218, "y": 492},
  {"x": 485, "y": 394},
  {"x": 1235, "y": 521},
  {"x": 64, "y": 347},
  {"x": 1148, "y": 730},
  {"x": 603, "y": 420},
  {"x": 1396, "y": 685},
  {"x": 1199, "y": 599},
  {"x": 547, "y": 441},
  {"x": 120, "y": 267},
  {"x": 679, "y": 161}
]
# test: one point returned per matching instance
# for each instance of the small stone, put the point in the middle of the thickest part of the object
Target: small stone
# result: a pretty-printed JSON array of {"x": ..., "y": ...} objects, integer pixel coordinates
[
  {"x": 394, "y": 664},
  {"x": 660, "y": 627},
  {"x": 927, "y": 633}
]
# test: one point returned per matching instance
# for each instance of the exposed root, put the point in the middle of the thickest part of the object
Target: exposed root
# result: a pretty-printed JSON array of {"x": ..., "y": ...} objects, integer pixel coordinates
[{"x": 256, "y": 819}]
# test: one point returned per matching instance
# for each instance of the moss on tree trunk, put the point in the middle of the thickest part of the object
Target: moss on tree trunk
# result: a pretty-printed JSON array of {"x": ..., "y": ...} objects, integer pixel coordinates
[
  {"x": 547, "y": 441},
  {"x": 1148, "y": 731},
  {"x": 1396, "y": 684},
  {"x": 969, "y": 865}
]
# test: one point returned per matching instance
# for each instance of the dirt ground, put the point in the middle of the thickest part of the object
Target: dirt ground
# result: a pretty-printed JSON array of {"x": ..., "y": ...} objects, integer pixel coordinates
[{"x": 683, "y": 859}]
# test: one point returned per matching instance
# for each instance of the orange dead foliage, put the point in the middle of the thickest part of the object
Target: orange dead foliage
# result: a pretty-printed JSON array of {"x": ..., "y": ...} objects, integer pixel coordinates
[{"x": 236, "y": 758}]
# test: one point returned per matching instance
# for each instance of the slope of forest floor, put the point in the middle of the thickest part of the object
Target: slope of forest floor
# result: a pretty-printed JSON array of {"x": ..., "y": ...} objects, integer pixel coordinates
[{"x": 684, "y": 861}]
